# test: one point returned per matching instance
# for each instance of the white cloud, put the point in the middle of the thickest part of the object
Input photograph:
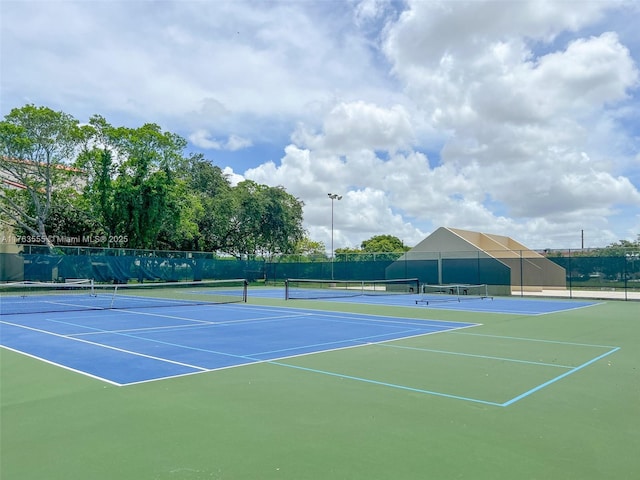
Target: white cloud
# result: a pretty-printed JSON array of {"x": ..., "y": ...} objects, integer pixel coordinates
[
  {"x": 234, "y": 178},
  {"x": 520, "y": 122},
  {"x": 202, "y": 138},
  {"x": 514, "y": 160},
  {"x": 360, "y": 125},
  {"x": 428, "y": 32},
  {"x": 517, "y": 118},
  {"x": 236, "y": 142}
]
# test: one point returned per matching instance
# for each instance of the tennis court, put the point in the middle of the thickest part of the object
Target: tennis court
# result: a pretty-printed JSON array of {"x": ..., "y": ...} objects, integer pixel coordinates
[
  {"x": 506, "y": 305},
  {"x": 441, "y": 300},
  {"x": 184, "y": 382},
  {"x": 157, "y": 343}
]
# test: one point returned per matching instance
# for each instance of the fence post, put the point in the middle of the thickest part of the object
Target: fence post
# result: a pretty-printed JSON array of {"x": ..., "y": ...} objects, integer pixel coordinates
[
  {"x": 626, "y": 275},
  {"x": 570, "y": 277},
  {"x": 521, "y": 276}
]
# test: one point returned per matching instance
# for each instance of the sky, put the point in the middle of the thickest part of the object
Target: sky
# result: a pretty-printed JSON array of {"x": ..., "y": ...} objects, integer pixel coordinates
[{"x": 517, "y": 118}]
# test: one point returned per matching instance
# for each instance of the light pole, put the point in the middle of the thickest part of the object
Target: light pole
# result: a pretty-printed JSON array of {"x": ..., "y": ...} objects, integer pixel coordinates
[{"x": 332, "y": 196}]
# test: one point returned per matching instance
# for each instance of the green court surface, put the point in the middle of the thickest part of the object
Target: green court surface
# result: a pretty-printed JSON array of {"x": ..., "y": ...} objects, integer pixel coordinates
[{"x": 554, "y": 396}]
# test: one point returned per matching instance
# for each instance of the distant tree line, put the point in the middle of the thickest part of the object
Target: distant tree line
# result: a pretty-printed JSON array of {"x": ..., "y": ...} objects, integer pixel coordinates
[
  {"x": 622, "y": 248},
  {"x": 107, "y": 186},
  {"x": 378, "y": 247}
]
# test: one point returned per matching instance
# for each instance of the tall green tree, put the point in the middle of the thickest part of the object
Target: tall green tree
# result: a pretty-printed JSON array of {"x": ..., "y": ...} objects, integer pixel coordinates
[
  {"x": 280, "y": 225},
  {"x": 37, "y": 149},
  {"x": 311, "y": 248},
  {"x": 98, "y": 160},
  {"x": 378, "y": 247},
  {"x": 259, "y": 220},
  {"x": 383, "y": 243},
  {"x": 134, "y": 188},
  {"x": 146, "y": 191},
  {"x": 68, "y": 220},
  {"x": 207, "y": 192},
  {"x": 134, "y": 184}
]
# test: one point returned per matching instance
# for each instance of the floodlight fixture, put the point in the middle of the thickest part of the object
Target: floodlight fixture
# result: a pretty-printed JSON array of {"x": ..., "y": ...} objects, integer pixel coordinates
[{"x": 333, "y": 196}]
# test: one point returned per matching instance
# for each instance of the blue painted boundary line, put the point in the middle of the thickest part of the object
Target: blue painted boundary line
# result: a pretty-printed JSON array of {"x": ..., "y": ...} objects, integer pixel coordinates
[
  {"x": 559, "y": 377},
  {"x": 487, "y": 357},
  {"x": 541, "y": 340},
  {"x": 459, "y": 397},
  {"x": 385, "y": 384}
]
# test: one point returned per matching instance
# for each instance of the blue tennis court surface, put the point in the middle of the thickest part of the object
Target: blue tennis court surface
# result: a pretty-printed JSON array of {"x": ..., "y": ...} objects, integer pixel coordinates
[
  {"x": 127, "y": 347},
  {"x": 506, "y": 305}
]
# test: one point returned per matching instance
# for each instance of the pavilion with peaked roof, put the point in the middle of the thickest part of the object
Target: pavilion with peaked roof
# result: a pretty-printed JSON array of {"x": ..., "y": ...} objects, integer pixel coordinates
[{"x": 452, "y": 255}]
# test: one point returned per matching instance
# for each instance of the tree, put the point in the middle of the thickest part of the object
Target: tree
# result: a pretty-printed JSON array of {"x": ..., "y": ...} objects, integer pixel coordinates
[
  {"x": 254, "y": 219},
  {"x": 134, "y": 189},
  {"x": 281, "y": 222},
  {"x": 311, "y": 248},
  {"x": 207, "y": 192},
  {"x": 97, "y": 160},
  {"x": 146, "y": 191},
  {"x": 103, "y": 182},
  {"x": 378, "y": 247},
  {"x": 204, "y": 177},
  {"x": 618, "y": 259},
  {"x": 344, "y": 251},
  {"x": 37, "y": 149},
  {"x": 383, "y": 244},
  {"x": 620, "y": 248},
  {"x": 68, "y": 220}
]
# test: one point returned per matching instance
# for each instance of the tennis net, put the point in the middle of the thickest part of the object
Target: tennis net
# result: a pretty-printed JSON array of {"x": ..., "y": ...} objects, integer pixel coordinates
[
  {"x": 452, "y": 293},
  {"x": 35, "y": 297},
  {"x": 296, "y": 288}
]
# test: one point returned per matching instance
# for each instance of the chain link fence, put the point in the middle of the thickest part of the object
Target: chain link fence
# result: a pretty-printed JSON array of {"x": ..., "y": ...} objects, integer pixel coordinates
[{"x": 558, "y": 273}]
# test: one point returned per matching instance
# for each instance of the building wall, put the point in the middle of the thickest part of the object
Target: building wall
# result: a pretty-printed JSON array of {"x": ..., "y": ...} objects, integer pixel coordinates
[{"x": 528, "y": 269}]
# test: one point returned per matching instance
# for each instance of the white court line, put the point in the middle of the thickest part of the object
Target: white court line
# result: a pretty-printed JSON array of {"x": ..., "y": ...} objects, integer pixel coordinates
[
  {"x": 202, "y": 324},
  {"x": 122, "y": 350}
]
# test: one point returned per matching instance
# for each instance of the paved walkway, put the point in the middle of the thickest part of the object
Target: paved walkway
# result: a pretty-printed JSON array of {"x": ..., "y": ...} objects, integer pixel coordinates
[{"x": 604, "y": 294}]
